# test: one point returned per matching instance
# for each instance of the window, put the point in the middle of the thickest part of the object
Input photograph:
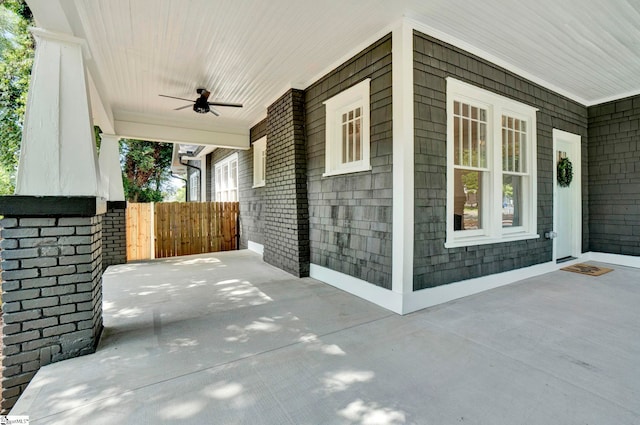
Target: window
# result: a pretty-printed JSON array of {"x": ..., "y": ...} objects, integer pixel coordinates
[
  {"x": 226, "y": 179},
  {"x": 194, "y": 186},
  {"x": 259, "y": 162},
  {"x": 347, "y": 131},
  {"x": 491, "y": 168}
]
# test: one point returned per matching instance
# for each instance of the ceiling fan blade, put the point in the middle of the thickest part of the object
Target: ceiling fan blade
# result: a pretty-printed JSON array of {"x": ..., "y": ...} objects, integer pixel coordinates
[
  {"x": 214, "y": 112},
  {"x": 232, "y": 105},
  {"x": 179, "y": 98},
  {"x": 183, "y": 107}
]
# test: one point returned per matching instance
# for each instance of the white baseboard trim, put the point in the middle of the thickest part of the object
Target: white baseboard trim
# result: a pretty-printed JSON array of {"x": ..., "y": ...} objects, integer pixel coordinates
[
  {"x": 429, "y": 297},
  {"x": 418, "y": 300},
  {"x": 383, "y": 297},
  {"x": 255, "y": 247},
  {"x": 618, "y": 259}
]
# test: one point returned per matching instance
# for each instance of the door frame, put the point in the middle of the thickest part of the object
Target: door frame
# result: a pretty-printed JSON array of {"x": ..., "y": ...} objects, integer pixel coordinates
[{"x": 576, "y": 141}]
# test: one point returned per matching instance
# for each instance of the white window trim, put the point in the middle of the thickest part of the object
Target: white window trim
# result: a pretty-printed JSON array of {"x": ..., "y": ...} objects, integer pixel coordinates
[
  {"x": 497, "y": 105},
  {"x": 220, "y": 164},
  {"x": 349, "y": 99},
  {"x": 259, "y": 171}
]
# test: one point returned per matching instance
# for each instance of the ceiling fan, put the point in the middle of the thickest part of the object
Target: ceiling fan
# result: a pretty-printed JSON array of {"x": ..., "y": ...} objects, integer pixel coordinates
[{"x": 202, "y": 105}]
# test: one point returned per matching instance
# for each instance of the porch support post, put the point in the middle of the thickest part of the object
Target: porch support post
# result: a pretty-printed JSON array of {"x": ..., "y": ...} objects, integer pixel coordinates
[
  {"x": 110, "y": 166},
  {"x": 114, "y": 231},
  {"x": 58, "y": 152},
  {"x": 51, "y": 233},
  {"x": 287, "y": 206}
]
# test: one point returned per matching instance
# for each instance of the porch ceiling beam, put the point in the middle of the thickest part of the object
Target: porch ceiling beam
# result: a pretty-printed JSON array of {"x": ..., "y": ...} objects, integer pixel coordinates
[
  {"x": 165, "y": 133},
  {"x": 50, "y": 15}
]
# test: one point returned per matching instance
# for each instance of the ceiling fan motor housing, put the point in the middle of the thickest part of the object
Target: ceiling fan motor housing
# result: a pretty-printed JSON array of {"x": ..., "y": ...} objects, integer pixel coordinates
[{"x": 201, "y": 105}]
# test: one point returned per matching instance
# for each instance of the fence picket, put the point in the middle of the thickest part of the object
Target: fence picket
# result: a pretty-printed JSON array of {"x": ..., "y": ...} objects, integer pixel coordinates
[{"x": 181, "y": 228}]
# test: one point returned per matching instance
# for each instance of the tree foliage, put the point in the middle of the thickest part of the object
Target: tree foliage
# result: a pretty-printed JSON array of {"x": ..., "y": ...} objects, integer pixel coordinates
[
  {"x": 146, "y": 169},
  {"x": 16, "y": 60},
  {"x": 145, "y": 164}
]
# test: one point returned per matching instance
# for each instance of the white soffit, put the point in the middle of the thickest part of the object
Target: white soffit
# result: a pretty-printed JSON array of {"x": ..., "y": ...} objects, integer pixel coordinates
[{"x": 251, "y": 51}]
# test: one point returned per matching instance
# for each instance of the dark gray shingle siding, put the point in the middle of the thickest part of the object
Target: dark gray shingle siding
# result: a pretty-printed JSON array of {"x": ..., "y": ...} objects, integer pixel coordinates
[
  {"x": 350, "y": 215},
  {"x": 614, "y": 177},
  {"x": 435, "y": 265}
]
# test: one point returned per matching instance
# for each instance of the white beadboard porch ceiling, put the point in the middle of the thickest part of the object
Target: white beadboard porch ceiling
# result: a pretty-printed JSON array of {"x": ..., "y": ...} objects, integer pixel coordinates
[{"x": 251, "y": 51}]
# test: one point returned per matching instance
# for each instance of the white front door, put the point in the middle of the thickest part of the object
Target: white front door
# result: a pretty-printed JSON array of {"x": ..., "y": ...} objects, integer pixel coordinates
[{"x": 567, "y": 201}]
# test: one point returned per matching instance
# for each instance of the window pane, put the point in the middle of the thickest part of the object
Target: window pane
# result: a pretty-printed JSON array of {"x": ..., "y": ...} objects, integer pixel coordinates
[
  {"x": 467, "y": 211},
  {"x": 358, "y": 137},
  {"x": 470, "y": 136},
  {"x": 233, "y": 178},
  {"x": 345, "y": 136},
  {"x": 482, "y": 137},
  {"x": 505, "y": 157},
  {"x": 352, "y": 136},
  {"x": 512, "y": 200},
  {"x": 514, "y": 139},
  {"x": 457, "y": 149},
  {"x": 224, "y": 184},
  {"x": 522, "y": 152},
  {"x": 218, "y": 183}
]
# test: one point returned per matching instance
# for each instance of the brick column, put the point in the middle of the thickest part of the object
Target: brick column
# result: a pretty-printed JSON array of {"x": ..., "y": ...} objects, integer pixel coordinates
[
  {"x": 51, "y": 284},
  {"x": 287, "y": 208},
  {"x": 114, "y": 234}
]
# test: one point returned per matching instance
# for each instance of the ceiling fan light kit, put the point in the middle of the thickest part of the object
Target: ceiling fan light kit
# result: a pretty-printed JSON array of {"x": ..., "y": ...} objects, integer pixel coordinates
[{"x": 202, "y": 105}]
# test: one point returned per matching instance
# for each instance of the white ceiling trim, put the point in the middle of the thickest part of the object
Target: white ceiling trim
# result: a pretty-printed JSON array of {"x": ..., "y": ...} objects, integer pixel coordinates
[
  {"x": 253, "y": 52},
  {"x": 442, "y": 36},
  {"x": 614, "y": 98},
  {"x": 354, "y": 51},
  {"x": 164, "y": 133}
]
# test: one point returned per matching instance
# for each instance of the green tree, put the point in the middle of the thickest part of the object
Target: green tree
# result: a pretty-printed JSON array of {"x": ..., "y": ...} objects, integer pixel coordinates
[
  {"x": 146, "y": 169},
  {"x": 16, "y": 60},
  {"x": 180, "y": 195}
]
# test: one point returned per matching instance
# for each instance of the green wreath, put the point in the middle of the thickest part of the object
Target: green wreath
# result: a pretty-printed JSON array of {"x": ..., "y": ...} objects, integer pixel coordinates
[{"x": 565, "y": 172}]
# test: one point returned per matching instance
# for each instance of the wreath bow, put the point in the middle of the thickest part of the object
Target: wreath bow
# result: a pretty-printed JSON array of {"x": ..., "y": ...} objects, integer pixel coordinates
[{"x": 565, "y": 172}]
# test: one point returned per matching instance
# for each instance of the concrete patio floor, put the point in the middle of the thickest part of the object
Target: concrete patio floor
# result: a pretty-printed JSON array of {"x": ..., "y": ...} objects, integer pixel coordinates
[{"x": 228, "y": 339}]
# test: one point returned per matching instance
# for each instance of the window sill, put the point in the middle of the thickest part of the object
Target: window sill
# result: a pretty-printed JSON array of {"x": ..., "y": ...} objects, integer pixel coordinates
[
  {"x": 485, "y": 240},
  {"x": 346, "y": 171},
  {"x": 258, "y": 185}
]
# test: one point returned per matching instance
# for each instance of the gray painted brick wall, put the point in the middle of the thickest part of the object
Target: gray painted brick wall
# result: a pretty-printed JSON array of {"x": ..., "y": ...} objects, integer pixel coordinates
[
  {"x": 350, "y": 215},
  {"x": 614, "y": 177},
  {"x": 114, "y": 234},
  {"x": 286, "y": 217},
  {"x": 252, "y": 200},
  {"x": 51, "y": 293},
  {"x": 434, "y": 264}
]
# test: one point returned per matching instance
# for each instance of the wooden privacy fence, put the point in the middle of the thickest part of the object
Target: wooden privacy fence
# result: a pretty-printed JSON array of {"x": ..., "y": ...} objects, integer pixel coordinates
[{"x": 169, "y": 229}]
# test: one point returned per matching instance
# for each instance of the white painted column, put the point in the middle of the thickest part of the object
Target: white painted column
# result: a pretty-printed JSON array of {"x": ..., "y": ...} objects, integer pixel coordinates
[
  {"x": 58, "y": 153},
  {"x": 109, "y": 160},
  {"x": 403, "y": 161},
  {"x": 203, "y": 178}
]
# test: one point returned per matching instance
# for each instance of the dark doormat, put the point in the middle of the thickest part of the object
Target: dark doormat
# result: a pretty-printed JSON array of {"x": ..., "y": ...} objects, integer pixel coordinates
[{"x": 587, "y": 269}]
